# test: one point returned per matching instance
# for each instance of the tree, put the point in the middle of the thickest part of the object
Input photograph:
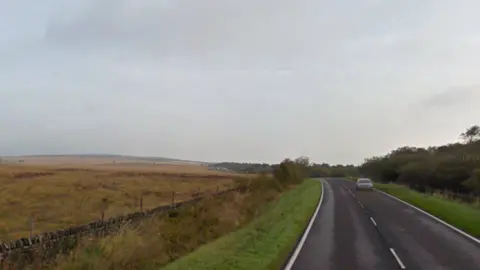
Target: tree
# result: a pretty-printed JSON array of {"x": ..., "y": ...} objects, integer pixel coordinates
[
  {"x": 292, "y": 171},
  {"x": 451, "y": 167},
  {"x": 474, "y": 181},
  {"x": 471, "y": 134},
  {"x": 304, "y": 161}
]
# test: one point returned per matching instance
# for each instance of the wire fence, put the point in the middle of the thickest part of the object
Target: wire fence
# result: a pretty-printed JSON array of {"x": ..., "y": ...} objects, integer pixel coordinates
[
  {"x": 37, "y": 250},
  {"x": 27, "y": 225}
]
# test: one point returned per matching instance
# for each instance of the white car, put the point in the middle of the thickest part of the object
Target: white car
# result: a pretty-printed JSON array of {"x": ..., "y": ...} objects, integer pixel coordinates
[{"x": 364, "y": 184}]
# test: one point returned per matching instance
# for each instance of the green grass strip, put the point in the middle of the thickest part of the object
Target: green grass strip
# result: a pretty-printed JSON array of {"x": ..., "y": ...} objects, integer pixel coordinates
[
  {"x": 460, "y": 215},
  {"x": 266, "y": 242}
]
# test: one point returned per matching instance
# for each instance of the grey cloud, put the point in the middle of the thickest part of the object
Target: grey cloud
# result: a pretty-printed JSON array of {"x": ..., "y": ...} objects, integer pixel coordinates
[
  {"x": 232, "y": 80},
  {"x": 454, "y": 97},
  {"x": 245, "y": 34}
]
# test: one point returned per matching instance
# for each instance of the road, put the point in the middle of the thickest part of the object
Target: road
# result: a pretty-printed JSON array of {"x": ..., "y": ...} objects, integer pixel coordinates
[{"x": 369, "y": 230}]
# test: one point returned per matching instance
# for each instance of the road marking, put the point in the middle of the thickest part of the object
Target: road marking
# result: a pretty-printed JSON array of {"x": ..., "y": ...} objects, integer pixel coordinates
[
  {"x": 349, "y": 191},
  {"x": 307, "y": 230},
  {"x": 373, "y": 221},
  {"x": 361, "y": 205},
  {"x": 400, "y": 263},
  {"x": 477, "y": 241}
]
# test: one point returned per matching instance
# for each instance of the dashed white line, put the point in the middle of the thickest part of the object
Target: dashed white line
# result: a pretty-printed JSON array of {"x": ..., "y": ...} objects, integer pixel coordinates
[
  {"x": 349, "y": 191},
  {"x": 400, "y": 263}
]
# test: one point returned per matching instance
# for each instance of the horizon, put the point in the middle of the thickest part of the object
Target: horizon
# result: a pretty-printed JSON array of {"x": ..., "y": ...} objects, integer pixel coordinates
[{"x": 215, "y": 162}]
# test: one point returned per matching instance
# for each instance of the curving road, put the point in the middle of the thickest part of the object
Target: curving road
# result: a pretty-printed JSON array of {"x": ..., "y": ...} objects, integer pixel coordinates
[{"x": 369, "y": 230}]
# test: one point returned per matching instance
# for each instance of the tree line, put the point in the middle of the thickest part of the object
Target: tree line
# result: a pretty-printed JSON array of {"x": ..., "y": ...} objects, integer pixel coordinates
[
  {"x": 452, "y": 167},
  {"x": 310, "y": 169},
  {"x": 244, "y": 167}
]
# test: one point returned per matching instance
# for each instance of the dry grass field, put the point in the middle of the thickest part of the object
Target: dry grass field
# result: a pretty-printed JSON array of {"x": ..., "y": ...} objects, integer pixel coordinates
[
  {"x": 159, "y": 240},
  {"x": 60, "y": 193}
]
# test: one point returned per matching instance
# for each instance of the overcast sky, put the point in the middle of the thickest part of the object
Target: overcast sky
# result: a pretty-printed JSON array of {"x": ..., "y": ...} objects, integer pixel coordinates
[{"x": 249, "y": 80}]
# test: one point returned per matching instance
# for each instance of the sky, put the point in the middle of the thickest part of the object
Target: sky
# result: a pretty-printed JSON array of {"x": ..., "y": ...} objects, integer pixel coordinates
[{"x": 223, "y": 80}]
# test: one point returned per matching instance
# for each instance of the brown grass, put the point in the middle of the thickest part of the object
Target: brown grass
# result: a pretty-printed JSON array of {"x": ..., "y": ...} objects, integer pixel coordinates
[
  {"x": 59, "y": 195},
  {"x": 161, "y": 239}
]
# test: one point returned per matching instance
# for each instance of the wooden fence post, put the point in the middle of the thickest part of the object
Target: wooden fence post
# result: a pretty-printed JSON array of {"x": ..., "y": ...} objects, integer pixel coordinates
[
  {"x": 141, "y": 204},
  {"x": 173, "y": 198},
  {"x": 31, "y": 226}
]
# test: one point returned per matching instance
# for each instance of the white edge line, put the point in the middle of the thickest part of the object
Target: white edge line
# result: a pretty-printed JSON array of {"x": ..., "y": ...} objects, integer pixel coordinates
[
  {"x": 373, "y": 221},
  {"x": 397, "y": 258},
  {"x": 361, "y": 205},
  {"x": 434, "y": 217},
  {"x": 305, "y": 233}
]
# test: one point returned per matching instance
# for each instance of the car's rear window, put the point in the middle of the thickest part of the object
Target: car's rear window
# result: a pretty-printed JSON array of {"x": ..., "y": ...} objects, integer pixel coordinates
[{"x": 364, "y": 181}]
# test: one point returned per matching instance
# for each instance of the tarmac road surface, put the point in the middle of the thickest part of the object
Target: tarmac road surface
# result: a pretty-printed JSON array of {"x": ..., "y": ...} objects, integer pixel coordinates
[{"x": 369, "y": 230}]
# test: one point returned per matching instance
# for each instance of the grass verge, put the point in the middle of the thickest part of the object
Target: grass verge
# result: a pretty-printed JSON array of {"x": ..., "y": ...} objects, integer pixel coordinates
[
  {"x": 460, "y": 215},
  {"x": 266, "y": 242}
]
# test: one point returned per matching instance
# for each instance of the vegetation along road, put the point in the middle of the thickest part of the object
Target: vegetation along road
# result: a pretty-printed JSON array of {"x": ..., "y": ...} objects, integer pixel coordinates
[{"x": 372, "y": 230}]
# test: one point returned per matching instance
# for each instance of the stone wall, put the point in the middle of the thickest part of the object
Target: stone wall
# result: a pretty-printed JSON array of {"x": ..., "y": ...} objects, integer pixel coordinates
[{"x": 46, "y": 246}]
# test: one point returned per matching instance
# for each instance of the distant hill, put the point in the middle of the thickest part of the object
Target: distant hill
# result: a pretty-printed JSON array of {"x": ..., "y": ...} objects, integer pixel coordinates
[{"x": 118, "y": 158}]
